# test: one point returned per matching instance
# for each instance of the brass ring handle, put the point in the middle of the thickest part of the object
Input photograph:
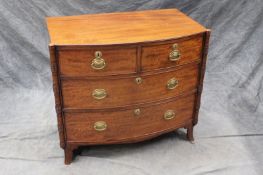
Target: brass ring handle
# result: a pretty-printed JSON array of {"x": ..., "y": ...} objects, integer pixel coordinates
[
  {"x": 99, "y": 94},
  {"x": 169, "y": 114},
  {"x": 100, "y": 126},
  {"x": 137, "y": 112},
  {"x": 172, "y": 83},
  {"x": 138, "y": 80},
  {"x": 98, "y": 62},
  {"x": 174, "y": 54}
]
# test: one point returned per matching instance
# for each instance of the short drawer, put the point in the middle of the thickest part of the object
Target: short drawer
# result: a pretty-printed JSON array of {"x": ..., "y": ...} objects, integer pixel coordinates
[
  {"x": 171, "y": 54},
  {"x": 119, "y": 91},
  {"x": 101, "y": 61},
  {"x": 115, "y": 126}
]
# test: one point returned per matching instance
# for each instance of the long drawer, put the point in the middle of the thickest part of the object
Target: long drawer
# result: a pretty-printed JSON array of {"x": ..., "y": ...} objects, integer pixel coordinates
[
  {"x": 115, "y": 126},
  {"x": 115, "y": 92}
]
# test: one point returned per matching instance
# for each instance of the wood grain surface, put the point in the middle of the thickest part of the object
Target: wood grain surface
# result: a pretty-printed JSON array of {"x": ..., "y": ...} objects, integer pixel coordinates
[
  {"x": 156, "y": 55},
  {"x": 122, "y": 27},
  {"x": 122, "y": 125},
  {"x": 57, "y": 95},
  {"x": 77, "y": 62},
  {"x": 133, "y": 45},
  {"x": 125, "y": 91}
]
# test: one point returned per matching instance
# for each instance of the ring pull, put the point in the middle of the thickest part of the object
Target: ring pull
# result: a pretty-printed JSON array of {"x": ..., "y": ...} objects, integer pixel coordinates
[
  {"x": 169, "y": 114},
  {"x": 100, "y": 126},
  {"x": 98, "y": 62},
  {"x": 172, "y": 83},
  {"x": 99, "y": 94},
  {"x": 174, "y": 54}
]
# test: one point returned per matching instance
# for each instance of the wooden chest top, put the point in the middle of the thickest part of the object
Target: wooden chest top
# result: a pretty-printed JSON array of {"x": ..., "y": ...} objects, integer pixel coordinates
[{"x": 121, "y": 28}]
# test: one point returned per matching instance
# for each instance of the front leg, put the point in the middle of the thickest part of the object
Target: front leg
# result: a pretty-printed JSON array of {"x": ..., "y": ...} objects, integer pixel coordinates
[
  {"x": 190, "y": 135},
  {"x": 69, "y": 153}
]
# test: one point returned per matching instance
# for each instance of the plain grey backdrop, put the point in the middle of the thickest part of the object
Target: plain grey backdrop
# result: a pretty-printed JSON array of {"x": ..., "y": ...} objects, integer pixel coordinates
[{"x": 229, "y": 135}]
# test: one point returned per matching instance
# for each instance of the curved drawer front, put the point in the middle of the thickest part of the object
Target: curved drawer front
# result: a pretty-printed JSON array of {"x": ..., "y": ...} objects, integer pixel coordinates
[
  {"x": 101, "y": 61},
  {"x": 110, "y": 127},
  {"x": 177, "y": 52},
  {"x": 108, "y": 93}
]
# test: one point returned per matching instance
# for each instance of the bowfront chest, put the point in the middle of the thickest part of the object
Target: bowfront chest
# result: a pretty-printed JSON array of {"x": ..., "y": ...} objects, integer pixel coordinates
[{"x": 125, "y": 77}]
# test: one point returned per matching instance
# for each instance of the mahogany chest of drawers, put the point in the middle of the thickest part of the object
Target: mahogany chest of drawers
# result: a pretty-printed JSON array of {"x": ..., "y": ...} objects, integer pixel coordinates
[{"x": 125, "y": 77}]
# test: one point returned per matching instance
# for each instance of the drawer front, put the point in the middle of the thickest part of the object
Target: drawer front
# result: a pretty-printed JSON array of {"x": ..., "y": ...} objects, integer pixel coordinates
[
  {"x": 103, "y": 127},
  {"x": 97, "y": 61},
  {"x": 182, "y": 52},
  {"x": 108, "y": 93}
]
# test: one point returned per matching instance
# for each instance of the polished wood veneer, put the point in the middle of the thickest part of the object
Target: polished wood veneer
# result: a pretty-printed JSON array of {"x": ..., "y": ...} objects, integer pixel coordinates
[
  {"x": 123, "y": 125},
  {"x": 75, "y": 61},
  {"x": 121, "y": 78},
  {"x": 154, "y": 55},
  {"x": 77, "y": 92},
  {"x": 121, "y": 27}
]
